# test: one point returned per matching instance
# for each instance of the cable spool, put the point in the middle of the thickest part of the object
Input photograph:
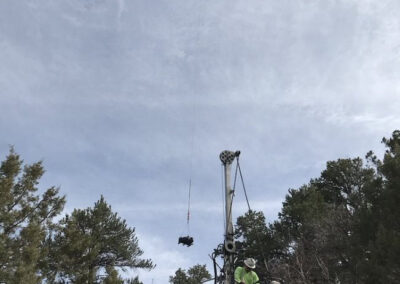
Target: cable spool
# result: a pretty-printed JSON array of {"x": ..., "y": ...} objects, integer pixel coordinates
[{"x": 230, "y": 246}]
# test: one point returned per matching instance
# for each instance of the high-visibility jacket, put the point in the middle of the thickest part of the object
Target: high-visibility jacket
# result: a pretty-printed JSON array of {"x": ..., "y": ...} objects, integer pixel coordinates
[{"x": 248, "y": 277}]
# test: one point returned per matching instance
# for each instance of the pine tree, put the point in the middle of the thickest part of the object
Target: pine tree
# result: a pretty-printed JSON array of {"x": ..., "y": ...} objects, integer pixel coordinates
[
  {"x": 112, "y": 276},
  {"x": 383, "y": 263},
  {"x": 95, "y": 238},
  {"x": 195, "y": 275},
  {"x": 180, "y": 277},
  {"x": 25, "y": 220},
  {"x": 134, "y": 281}
]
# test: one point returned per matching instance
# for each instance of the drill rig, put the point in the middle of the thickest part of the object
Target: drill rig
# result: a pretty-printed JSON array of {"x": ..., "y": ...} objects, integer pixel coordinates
[{"x": 228, "y": 249}]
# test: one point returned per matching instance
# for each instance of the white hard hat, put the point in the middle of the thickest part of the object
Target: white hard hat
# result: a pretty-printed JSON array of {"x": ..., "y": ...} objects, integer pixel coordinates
[{"x": 250, "y": 263}]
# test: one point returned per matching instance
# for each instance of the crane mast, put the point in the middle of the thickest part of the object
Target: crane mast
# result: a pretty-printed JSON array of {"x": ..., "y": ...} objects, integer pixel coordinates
[{"x": 227, "y": 157}]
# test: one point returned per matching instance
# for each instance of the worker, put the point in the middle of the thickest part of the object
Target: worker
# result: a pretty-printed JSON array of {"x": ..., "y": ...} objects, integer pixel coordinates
[{"x": 245, "y": 274}]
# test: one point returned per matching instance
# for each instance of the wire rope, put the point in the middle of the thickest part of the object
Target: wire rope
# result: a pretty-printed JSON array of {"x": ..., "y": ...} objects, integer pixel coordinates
[
  {"x": 244, "y": 188},
  {"x": 188, "y": 212},
  {"x": 248, "y": 205},
  {"x": 223, "y": 198},
  {"x": 193, "y": 131}
]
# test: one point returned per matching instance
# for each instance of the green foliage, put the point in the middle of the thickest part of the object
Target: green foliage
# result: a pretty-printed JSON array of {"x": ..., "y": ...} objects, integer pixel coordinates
[
  {"x": 96, "y": 238},
  {"x": 33, "y": 249},
  {"x": 326, "y": 222},
  {"x": 180, "y": 277},
  {"x": 195, "y": 275},
  {"x": 25, "y": 220},
  {"x": 385, "y": 243},
  {"x": 343, "y": 227},
  {"x": 112, "y": 276},
  {"x": 134, "y": 281},
  {"x": 254, "y": 239}
]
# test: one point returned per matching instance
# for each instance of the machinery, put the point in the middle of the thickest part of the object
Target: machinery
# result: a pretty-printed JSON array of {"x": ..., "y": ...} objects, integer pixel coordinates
[{"x": 228, "y": 249}]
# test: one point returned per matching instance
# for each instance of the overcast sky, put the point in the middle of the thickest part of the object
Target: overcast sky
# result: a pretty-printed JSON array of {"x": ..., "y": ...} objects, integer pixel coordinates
[{"x": 132, "y": 99}]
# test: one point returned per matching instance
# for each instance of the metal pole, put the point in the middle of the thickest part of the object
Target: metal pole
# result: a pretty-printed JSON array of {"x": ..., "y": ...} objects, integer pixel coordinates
[
  {"x": 228, "y": 201},
  {"x": 227, "y": 157}
]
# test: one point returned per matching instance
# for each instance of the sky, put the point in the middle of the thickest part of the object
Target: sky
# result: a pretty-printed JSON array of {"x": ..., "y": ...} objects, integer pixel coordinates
[{"x": 132, "y": 99}]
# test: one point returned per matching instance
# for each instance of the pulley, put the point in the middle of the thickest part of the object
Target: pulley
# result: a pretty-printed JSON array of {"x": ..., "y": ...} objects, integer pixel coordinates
[{"x": 230, "y": 246}]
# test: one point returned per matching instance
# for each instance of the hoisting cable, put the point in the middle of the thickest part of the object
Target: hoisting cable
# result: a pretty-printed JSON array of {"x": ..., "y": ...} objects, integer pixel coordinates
[
  {"x": 244, "y": 188},
  {"x": 188, "y": 240},
  {"x": 192, "y": 151},
  {"x": 188, "y": 212},
  {"x": 223, "y": 198},
  {"x": 248, "y": 205}
]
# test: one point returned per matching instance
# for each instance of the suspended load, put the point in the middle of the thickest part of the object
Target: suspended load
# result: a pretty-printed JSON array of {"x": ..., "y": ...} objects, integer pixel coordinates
[{"x": 188, "y": 241}]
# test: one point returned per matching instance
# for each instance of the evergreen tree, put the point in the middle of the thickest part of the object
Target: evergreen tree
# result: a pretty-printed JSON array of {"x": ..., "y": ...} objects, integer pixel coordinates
[
  {"x": 112, "y": 276},
  {"x": 96, "y": 238},
  {"x": 195, "y": 275},
  {"x": 255, "y": 240},
  {"x": 324, "y": 223},
  {"x": 134, "y": 281},
  {"x": 180, "y": 277},
  {"x": 383, "y": 263},
  {"x": 320, "y": 236},
  {"x": 25, "y": 220}
]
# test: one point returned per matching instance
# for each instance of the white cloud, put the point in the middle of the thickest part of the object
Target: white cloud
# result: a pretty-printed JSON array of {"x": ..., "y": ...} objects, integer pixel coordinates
[{"x": 121, "y": 97}]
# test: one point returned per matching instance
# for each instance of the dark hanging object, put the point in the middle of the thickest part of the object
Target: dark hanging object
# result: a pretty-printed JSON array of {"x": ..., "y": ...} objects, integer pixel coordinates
[{"x": 188, "y": 241}]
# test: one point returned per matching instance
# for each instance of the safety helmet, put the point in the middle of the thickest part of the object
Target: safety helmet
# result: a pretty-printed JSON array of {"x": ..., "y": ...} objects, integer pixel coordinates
[{"x": 250, "y": 263}]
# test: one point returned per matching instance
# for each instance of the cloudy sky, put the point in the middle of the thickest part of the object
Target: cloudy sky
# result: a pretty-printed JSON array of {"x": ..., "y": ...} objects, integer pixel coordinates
[{"x": 133, "y": 98}]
